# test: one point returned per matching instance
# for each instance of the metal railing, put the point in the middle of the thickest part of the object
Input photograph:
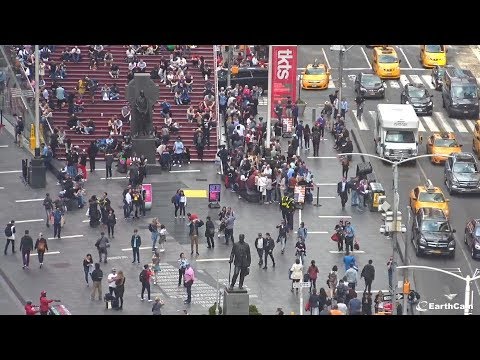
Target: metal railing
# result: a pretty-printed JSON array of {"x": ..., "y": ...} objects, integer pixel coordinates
[{"x": 217, "y": 107}]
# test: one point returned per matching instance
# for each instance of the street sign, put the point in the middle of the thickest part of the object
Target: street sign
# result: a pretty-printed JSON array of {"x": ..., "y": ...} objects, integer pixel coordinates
[
  {"x": 303, "y": 284},
  {"x": 388, "y": 297},
  {"x": 337, "y": 47},
  {"x": 16, "y": 92}
]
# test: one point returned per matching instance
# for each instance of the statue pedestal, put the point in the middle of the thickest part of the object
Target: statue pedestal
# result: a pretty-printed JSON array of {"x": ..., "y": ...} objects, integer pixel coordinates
[
  {"x": 145, "y": 146},
  {"x": 235, "y": 302}
]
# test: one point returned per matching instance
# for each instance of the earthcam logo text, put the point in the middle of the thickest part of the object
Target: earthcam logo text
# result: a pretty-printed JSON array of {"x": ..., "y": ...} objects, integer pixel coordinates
[{"x": 423, "y": 306}]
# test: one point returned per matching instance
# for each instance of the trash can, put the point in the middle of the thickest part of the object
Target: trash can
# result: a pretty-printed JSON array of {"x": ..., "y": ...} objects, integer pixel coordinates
[
  {"x": 376, "y": 190},
  {"x": 58, "y": 310}
]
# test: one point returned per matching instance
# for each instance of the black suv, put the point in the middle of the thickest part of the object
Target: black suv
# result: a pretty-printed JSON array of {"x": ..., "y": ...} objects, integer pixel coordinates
[
  {"x": 417, "y": 95},
  {"x": 472, "y": 237},
  {"x": 462, "y": 174},
  {"x": 437, "y": 76},
  {"x": 432, "y": 233},
  {"x": 369, "y": 85},
  {"x": 460, "y": 93},
  {"x": 246, "y": 76}
]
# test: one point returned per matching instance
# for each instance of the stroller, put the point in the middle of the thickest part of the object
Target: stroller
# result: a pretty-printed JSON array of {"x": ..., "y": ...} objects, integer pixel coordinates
[{"x": 166, "y": 161}]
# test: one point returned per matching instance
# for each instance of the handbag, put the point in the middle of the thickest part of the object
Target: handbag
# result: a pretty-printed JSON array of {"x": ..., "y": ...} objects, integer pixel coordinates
[
  {"x": 334, "y": 237},
  {"x": 307, "y": 306},
  {"x": 356, "y": 246},
  {"x": 62, "y": 221}
]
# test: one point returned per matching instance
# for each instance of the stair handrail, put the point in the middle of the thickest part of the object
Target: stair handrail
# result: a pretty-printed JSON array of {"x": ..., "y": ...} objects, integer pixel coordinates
[{"x": 217, "y": 107}]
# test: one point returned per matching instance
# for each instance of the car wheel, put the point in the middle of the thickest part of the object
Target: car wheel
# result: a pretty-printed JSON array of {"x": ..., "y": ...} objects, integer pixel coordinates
[
  {"x": 451, "y": 255},
  {"x": 443, "y": 102},
  {"x": 418, "y": 252},
  {"x": 472, "y": 252},
  {"x": 465, "y": 238}
]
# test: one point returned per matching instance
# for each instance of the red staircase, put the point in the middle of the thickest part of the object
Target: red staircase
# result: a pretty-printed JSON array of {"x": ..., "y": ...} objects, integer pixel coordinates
[{"x": 76, "y": 71}]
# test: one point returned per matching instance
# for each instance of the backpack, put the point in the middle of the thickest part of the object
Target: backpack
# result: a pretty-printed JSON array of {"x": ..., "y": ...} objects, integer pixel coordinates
[
  {"x": 41, "y": 246},
  {"x": 8, "y": 231},
  {"x": 57, "y": 216},
  {"x": 199, "y": 140},
  {"x": 150, "y": 228},
  {"x": 47, "y": 203},
  {"x": 143, "y": 276},
  {"x": 200, "y": 223},
  {"x": 173, "y": 199}
]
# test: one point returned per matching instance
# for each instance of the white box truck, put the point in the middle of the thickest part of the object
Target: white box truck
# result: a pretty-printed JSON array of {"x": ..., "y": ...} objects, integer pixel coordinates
[{"x": 396, "y": 131}]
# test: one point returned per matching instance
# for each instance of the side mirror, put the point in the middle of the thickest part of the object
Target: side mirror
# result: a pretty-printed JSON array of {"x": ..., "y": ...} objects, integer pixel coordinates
[{"x": 454, "y": 231}]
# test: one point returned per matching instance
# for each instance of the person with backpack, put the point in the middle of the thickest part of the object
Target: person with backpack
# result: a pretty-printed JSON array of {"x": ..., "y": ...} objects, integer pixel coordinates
[
  {"x": 302, "y": 232},
  {"x": 102, "y": 245},
  {"x": 19, "y": 127},
  {"x": 157, "y": 306},
  {"x": 10, "y": 234},
  {"x": 268, "y": 246},
  {"x": 341, "y": 292},
  {"x": 41, "y": 246},
  {"x": 153, "y": 228},
  {"x": 176, "y": 202},
  {"x": 119, "y": 289},
  {"x": 48, "y": 205},
  {"x": 314, "y": 303},
  {"x": 57, "y": 222},
  {"x": 26, "y": 246},
  {"x": 97, "y": 276},
  {"x": 144, "y": 278},
  {"x": 368, "y": 272},
  {"x": 88, "y": 267},
  {"x": 135, "y": 243},
  {"x": 332, "y": 281}
]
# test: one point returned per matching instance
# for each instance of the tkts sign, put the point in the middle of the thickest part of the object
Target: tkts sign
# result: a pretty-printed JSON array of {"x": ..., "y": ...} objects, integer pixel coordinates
[{"x": 283, "y": 77}]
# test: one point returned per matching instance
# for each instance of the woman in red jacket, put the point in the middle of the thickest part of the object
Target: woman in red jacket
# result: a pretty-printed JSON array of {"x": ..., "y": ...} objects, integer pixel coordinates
[{"x": 45, "y": 303}]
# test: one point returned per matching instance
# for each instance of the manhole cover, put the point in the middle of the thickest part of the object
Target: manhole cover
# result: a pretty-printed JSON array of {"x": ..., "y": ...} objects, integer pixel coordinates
[{"x": 61, "y": 265}]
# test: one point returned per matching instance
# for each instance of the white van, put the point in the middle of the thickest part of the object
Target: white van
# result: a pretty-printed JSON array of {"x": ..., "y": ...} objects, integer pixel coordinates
[{"x": 396, "y": 131}]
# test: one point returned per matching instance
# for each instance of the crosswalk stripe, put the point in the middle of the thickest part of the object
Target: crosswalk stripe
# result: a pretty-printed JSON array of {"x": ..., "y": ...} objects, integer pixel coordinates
[
  {"x": 420, "y": 126},
  {"x": 443, "y": 123},
  {"x": 404, "y": 80},
  {"x": 416, "y": 79},
  {"x": 331, "y": 85},
  {"x": 427, "y": 79},
  {"x": 430, "y": 124},
  {"x": 393, "y": 84},
  {"x": 471, "y": 125},
  {"x": 458, "y": 124},
  {"x": 362, "y": 124}
]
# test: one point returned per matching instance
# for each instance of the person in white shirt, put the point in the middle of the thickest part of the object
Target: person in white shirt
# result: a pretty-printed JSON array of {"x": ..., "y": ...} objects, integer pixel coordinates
[
  {"x": 111, "y": 281},
  {"x": 142, "y": 65},
  {"x": 262, "y": 184},
  {"x": 168, "y": 120},
  {"x": 75, "y": 53},
  {"x": 343, "y": 308},
  {"x": 296, "y": 273},
  {"x": 182, "y": 204},
  {"x": 105, "y": 90},
  {"x": 118, "y": 126},
  {"x": 240, "y": 130},
  {"x": 130, "y": 54},
  {"x": 268, "y": 170},
  {"x": 161, "y": 148},
  {"x": 132, "y": 65}
]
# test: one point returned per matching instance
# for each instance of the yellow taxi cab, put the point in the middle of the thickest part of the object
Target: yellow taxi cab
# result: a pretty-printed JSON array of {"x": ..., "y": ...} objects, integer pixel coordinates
[
  {"x": 386, "y": 63},
  {"x": 433, "y": 55},
  {"x": 476, "y": 139},
  {"x": 315, "y": 76},
  {"x": 441, "y": 145},
  {"x": 428, "y": 196}
]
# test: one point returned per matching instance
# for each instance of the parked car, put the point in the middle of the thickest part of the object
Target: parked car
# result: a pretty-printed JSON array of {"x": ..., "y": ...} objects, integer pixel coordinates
[
  {"x": 246, "y": 76},
  {"x": 462, "y": 174},
  {"x": 472, "y": 237}
]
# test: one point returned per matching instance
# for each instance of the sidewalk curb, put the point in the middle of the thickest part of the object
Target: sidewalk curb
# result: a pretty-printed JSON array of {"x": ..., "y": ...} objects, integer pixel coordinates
[{"x": 358, "y": 142}]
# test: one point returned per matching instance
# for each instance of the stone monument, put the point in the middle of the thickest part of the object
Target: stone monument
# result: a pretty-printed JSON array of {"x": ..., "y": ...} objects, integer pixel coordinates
[{"x": 142, "y": 94}]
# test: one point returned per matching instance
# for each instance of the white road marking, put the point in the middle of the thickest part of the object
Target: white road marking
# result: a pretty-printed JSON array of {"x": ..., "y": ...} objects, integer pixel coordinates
[
  {"x": 2, "y": 188},
  {"x": 184, "y": 171},
  {"x": 66, "y": 237},
  {"x": 326, "y": 197},
  {"x": 28, "y": 221},
  {"x": 404, "y": 80},
  {"x": 322, "y": 157},
  {"x": 27, "y": 200},
  {"x": 115, "y": 178},
  {"x": 317, "y": 232},
  {"x": 471, "y": 125},
  {"x": 326, "y": 59},
  {"x": 416, "y": 79},
  {"x": 342, "y": 252},
  {"x": 393, "y": 84},
  {"x": 210, "y": 260},
  {"x": 405, "y": 56},
  {"x": 3, "y": 146},
  {"x": 334, "y": 216},
  {"x": 326, "y": 184},
  {"x": 365, "y": 69},
  {"x": 427, "y": 79},
  {"x": 140, "y": 248},
  {"x": 362, "y": 124},
  {"x": 443, "y": 122},
  {"x": 366, "y": 57},
  {"x": 99, "y": 169},
  {"x": 430, "y": 124},
  {"x": 85, "y": 221},
  {"x": 47, "y": 253},
  {"x": 459, "y": 125},
  {"x": 331, "y": 84},
  {"x": 11, "y": 172},
  {"x": 421, "y": 127}
]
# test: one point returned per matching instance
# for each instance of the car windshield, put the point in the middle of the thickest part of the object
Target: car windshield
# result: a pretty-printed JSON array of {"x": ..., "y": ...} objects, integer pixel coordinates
[
  {"x": 371, "y": 80},
  {"x": 394, "y": 136},
  {"x": 315, "y": 71},
  {"x": 416, "y": 92},
  {"x": 431, "y": 197},
  {"x": 387, "y": 59},
  {"x": 434, "y": 48},
  {"x": 466, "y": 168},
  {"x": 435, "y": 225},
  {"x": 445, "y": 143},
  {"x": 477, "y": 231},
  {"x": 464, "y": 92},
  {"x": 440, "y": 72}
]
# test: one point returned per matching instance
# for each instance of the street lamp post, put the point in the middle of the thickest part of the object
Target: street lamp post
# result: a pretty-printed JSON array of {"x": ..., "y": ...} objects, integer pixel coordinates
[
  {"x": 396, "y": 225},
  {"x": 37, "y": 101},
  {"x": 467, "y": 279},
  {"x": 341, "y": 54}
]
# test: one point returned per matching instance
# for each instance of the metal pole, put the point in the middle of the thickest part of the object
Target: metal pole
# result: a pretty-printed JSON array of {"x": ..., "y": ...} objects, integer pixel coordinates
[
  {"x": 314, "y": 115},
  {"x": 269, "y": 98},
  {"x": 301, "y": 297},
  {"x": 299, "y": 85},
  {"x": 466, "y": 311},
  {"x": 394, "y": 235},
  {"x": 229, "y": 63},
  {"x": 406, "y": 261},
  {"x": 340, "y": 77},
  {"x": 318, "y": 196},
  {"x": 217, "y": 311},
  {"x": 37, "y": 99}
]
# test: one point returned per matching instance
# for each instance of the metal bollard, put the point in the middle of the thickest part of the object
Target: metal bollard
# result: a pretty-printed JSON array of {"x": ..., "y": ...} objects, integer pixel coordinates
[
  {"x": 318, "y": 196},
  {"x": 314, "y": 115}
]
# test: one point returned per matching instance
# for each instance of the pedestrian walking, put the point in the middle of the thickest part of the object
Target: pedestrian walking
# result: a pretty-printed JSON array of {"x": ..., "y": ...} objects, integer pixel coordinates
[
  {"x": 312, "y": 275},
  {"x": 26, "y": 246},
  {"x": 332, "y": 281},
  {"x": 157, "y": 305},
  {"x": 108, "y": 164},
  {"x": 349, "y": 236},
  {"x": 390, "y": 272},
  {"x": 30, "y": 309},
  {"x": 162, "y": 237},
  {"x": 88, "y": 267},
  {"x": 342, "y": 191},
  {"x": 57, "y": 222},
  {"x": 341, "y": 291},
  {"x": 188, "y": 279},
  {"x": 360, "y": 101},
  {"x": 97, "y": 276},
  {"x": 182, "y": 265},
  {"x": 354, "y": 305},
  {"x": 111, "y": 221},
  {"x": 41, "y": 246},
  {"x": 300, "y": 250},
  {"x": 210, "y": 232},
  {"x": 296, "y": 273},
  {"x": 327, "y": 114},
  {"x": 282, "y": 235},
  {"x": 135, "y": 243},
  {"x": 306, "y": 137},
  {"x": 351, "y": 275},
  {"x": 119, "y": 288},
  {"x": 193, "y": 232},
  {"x": 153, "y": 228},
  {"x": 229, "y": 225},
  {"x": 156, "y": 265},
  {"x": 314, "y": 302},
  {"x": 259, "y": 243},
  {"x": 10, "y": 235},
  {"x": 182, "y": 204},
  {"x": 45, "y": 303},
  {"x": 343, "y": 108},
  {"x": 302, "y": 232},
  {"x": 102, "y": 245},
  {"x": 349, "y": 260},
  {"x": 339, "y": 235},
  {"x": 82, "y": 164},
  {"x": 176, "y": 202},
  {"x": 144, "y": 278},
  {"x": 316, "y": 136},
  {"x": 48, "y": 206},
  {"x": 345, "y": 167},
  {"x": 368, "y": 273},
  {"x": 111, "y": 281},
  {"x": 92, "y": 154},
  {"x": 268, "y": 246},
  {"x": 367, "y": 304}
]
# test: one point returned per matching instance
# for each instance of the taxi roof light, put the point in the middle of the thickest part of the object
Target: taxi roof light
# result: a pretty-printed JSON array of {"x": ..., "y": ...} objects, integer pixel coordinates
[
  {"x": 445, "y": 135},
  {"x": 429, "y": 186}
]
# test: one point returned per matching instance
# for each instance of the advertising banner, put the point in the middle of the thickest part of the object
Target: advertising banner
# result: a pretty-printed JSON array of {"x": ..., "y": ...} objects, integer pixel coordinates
[
  {"x": 283, "y": 77},
  {"x": 148, "y": 196}
]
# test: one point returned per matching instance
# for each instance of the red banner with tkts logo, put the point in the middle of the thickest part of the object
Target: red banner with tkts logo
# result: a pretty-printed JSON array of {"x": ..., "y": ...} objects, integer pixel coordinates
[{"x": 283, "y": 79}]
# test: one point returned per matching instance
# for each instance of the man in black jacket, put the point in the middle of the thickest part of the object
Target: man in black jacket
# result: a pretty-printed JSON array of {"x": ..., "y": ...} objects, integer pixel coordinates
[
  {"x": 97, "y": 276},
  {"x": 26, "y": 246},
  {"x": 135, "y": 242},
  {"x": 268, "y": 246},
  {"x": 108, "y": 164},
  {"x": 223, "y": 155},
  {"x": 342, "y": 191},
  {"x": 368, "y": 272}
]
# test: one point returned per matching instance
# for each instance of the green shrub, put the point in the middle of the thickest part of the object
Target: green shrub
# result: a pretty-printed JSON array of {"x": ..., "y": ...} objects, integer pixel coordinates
[
  {"x": 252, "y": 310},
  {"x": 211, "y": 309}
]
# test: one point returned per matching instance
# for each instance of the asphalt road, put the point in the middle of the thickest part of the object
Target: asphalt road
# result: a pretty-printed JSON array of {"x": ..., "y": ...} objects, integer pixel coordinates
[{"x": 432, "y": 286}]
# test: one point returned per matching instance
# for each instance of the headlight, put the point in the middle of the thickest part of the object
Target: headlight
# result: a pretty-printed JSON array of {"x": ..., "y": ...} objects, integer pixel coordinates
[
  {"x": 363, "y": 89},
  {"x": 407, "y": 102},
  {"x": 430, "y": 103},
  {"x": 382, "y": 88},
  {"x": 477, "y": 246},
  {"x": 452, "y": 244},
  {"x": 414, "y": 152},
  {"x": 454, "y": 180},
  {"x": 422, "y": 241},
  {"x": 387, "y": 152}
]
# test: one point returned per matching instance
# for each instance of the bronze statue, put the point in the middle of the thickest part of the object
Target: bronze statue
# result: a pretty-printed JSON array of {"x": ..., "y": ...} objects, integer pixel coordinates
[
  {"x": 240, "y": 256},
  {"x": 142, "y": 116}
]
